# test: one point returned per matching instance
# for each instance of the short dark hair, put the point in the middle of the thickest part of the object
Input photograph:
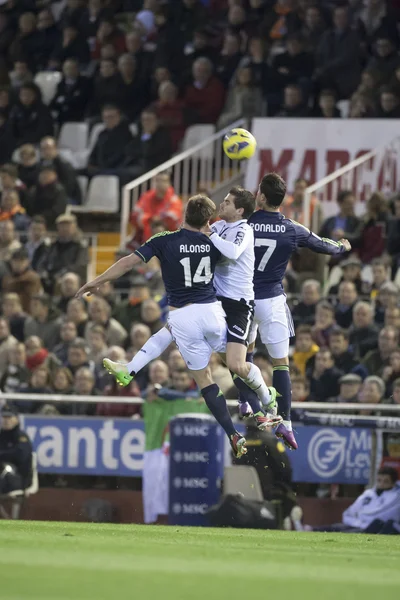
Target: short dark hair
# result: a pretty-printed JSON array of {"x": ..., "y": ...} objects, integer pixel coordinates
[
  {"x": 39, "y": 219},
  {"x": 273, "y": 188},
  {"x": 307, "y": 329},
  {"x": 243, "y": 199},
  {"x": 9, "y": 169},
  {"x": 199, "y": 211},
  {"x": 339, "y": 331},
  {"x": 44, "y": 299},
  {"x": 389, "y": 471},
  {"x": 20, "y": 254},
  {"x": 326, "y": 305},
  {"x": 110, "y": 107},
  {"x": 80, "y": 344},
  {"x": 341, "y": 197}
]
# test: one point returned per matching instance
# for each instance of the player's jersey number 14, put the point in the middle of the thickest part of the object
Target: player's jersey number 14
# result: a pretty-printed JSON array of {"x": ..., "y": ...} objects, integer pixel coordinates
[
  {"x": 202, "y": 274},
  {"x": 270, "y": 245}
]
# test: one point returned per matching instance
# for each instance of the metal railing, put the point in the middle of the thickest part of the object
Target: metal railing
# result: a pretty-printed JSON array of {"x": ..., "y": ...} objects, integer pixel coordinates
[
  {"x": 375, "y": 170},
  {"x": 204, "y": 166}
]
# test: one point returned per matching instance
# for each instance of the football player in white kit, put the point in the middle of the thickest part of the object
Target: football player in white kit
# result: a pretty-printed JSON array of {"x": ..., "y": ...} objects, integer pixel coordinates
[{"x": 233, "y": 283}]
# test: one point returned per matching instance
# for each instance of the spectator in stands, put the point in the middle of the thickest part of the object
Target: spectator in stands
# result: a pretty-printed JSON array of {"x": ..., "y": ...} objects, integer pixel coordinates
[
  {"x": 8, "y": 240},
  {"x": 386, "y": 59},
  {"x": 76, "y": 312},
  {"x": 30, "y": 119},
  {"x": 391, "y": 372},
  {"x": 132, "y": 97},
  {"x": 5, "y": 102},
  {"x": 65, "y": 172},
  {"x": 12, "y": 310},
  {"x": 293, "y": 206},
  {"x": 380, "y": 276},
  {"x": 78, "y": 356},
  {"x": 7, "y": 342},
  {"x": 68, "y": 334},
  {"x": 91, "y": 18},
  {"x": 108, "y": 33},
  {"x": 119, "y": 409},
  {"x": 10, "y": 182},
  {"x": 294, "y": 104},
  {"x": 305, "y": 348},
  {"x": 84, "y": 385},
  {"x": 11, "y": 209},
  {"x": 42, "y": 321},
  {"x": 345, "y": 222},
  {"x": 69, "y": 285},
  {"x": 324, "y": 322},
  {"x": 323, "y": 377},
  {"x": 21, "y": 74},
  {"x": 106, "y": 88},
  {"x": 16, "y": 374},
  {"x": 28, "y": 167},
  {"x": 100, "y": 314},
  {"x": 72, "y": 45},
  {"x": 49, "y": 37},
  {"x": 395, "y": 397},
  {"x": 62, "y": 381},
  {"x": 392, "y": 317},
  {"x": 68, "y": 253},
  {"x": 300, "y": 389},
  {"x": 347, "y": 297},
  {"x": 387, "y": 297},
  {"x": 375, "y": 360},
  {"x": 138, "y": 336},
  {"x": 205, "y": 95},
  {"x": 313, "y": 28},
  {"x": 296, "y": 64},
  {"x": 372, "y": 392},
  {"x": 327, "y": 108},
  {"x": 170, "y": 112},
  {"x": 370, "y": 237},
  {"x": 38, "y": 244},
  {"x": 7, "y": 33},
  {"x": 48, "y": 198},
  {"x": 351, "y": 269},
  {"x": 21, "y": 279},
  {"x": 244, "y": 99},
  {"x": 338, "y": 56},
  {"x": 144, "y": 59},
  {"x": 389, "y": 104},
  {"x": 150, "y": 315},
  {"x": 39, "y": 383},
  {"x": 350, "y": 385},
  {"x": 339, "y": 347},
  {"x": 37, "y": 354},
  {"x": 393, "y": 240},
  {"x": 160, "y": 202},
  {"x": 175, "y": 360},
  {"x": 150, "y": 148},
  {"x": 26, "y": 44},
  {"x": 229, "y": 58},
  {"x": 72, "y": 95},
  {"x": 159, "y": 376},
  {"x": 7, "y": 140},
  {"x": 97, "y": 344},
  {"x": 363, "y": 333},
  {"x": 108, "y": 153},
  {"x": 304, "y": 311}
]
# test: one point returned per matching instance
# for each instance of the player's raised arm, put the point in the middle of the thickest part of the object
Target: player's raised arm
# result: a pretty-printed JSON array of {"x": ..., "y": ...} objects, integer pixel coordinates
[
  {"x": 244, "y": 238},
  {"x": 307, "y": 239},
  {"x": 114, "y": 272}
]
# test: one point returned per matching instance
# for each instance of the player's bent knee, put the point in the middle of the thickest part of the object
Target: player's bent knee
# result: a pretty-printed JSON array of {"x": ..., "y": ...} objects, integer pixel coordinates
[
  {"x": 239, "y": 368},
  {"x": 280, "y": 362}
]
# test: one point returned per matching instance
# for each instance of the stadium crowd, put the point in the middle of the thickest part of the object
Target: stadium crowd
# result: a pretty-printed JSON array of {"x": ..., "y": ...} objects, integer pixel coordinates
[{"x": 164, "y": 66}]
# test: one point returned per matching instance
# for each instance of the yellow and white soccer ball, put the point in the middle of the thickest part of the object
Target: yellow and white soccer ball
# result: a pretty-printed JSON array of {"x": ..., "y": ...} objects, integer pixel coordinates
[{"x": 239, "y": 143}]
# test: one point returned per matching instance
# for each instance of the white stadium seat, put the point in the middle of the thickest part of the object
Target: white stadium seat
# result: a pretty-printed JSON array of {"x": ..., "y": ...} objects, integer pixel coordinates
[
  {"x": 102, "y": 196},
  {"x": 83, "y": 184},
  {"x": 195, "y": 134},
  {"x": 48, "y": 82},
  {"x": 74, "y": 136}
]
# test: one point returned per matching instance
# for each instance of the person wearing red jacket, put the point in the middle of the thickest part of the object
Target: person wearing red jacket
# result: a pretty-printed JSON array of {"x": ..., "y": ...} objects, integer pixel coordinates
[{"x": 161, "y": 203}]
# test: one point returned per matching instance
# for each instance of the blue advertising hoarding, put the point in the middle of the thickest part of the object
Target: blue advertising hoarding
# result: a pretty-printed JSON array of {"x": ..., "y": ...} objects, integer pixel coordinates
[{"x": 99, "y": 446}]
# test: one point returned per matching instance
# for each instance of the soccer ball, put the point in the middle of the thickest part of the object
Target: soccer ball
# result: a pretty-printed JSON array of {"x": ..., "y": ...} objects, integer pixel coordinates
[{"x": 239, "y": 144}]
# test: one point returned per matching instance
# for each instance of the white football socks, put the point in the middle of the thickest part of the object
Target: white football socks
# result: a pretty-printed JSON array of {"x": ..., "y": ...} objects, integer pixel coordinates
[
  {"x": 256, "y": 382},
  {"x": 150, "y": 350}
]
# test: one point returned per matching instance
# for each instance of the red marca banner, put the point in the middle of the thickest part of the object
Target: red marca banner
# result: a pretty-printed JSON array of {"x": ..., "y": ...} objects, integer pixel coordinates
[{"x": 315, "y": 148}]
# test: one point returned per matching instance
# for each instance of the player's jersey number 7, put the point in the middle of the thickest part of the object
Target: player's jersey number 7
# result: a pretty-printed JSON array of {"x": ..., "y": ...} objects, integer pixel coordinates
[
  {"x": 271, "y": 245},
  {"x": 203, "y": 272}
]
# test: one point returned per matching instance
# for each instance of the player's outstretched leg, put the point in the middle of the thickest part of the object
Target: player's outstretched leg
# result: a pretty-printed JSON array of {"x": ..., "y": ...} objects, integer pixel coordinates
[
  {"x": 282, "y": 383},
  {"x": 125, "y": 372}
]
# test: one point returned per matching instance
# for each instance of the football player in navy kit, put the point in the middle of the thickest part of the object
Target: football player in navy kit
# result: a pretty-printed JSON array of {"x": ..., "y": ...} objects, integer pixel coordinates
[
  {"x": 275, "y": 238},
  {"x": 196, "y": 318}
]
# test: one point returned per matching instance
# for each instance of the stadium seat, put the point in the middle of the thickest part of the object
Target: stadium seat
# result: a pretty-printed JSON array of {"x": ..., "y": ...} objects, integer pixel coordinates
[
  {"x": 17, "y": 497},
  {"x": 195, "y": 134},
  {"x": 48, "y": 82},
  {"x": 83, "y": 184},
  {"x": 243, "y": 480},
  {"x": 82, "y": 156},
  {"x": 74, "y": 136},
  {"x": 344, "y": 107},
  {"x": 102, "y": 196}
]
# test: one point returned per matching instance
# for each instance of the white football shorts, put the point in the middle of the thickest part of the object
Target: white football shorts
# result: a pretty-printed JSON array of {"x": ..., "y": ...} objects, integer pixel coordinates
[
  {"x": 198, "y": 331},
  {"x": 274, "y": 320}
]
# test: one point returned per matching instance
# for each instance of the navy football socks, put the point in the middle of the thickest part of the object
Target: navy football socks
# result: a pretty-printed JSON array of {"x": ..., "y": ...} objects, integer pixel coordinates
[
  {"x": 282, "y": 384},
  {"x": 216, "y": 402}
]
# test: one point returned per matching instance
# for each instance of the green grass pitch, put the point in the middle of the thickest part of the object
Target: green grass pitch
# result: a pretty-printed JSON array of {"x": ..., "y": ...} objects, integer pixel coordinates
[{"x": 80, "y": 561}]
